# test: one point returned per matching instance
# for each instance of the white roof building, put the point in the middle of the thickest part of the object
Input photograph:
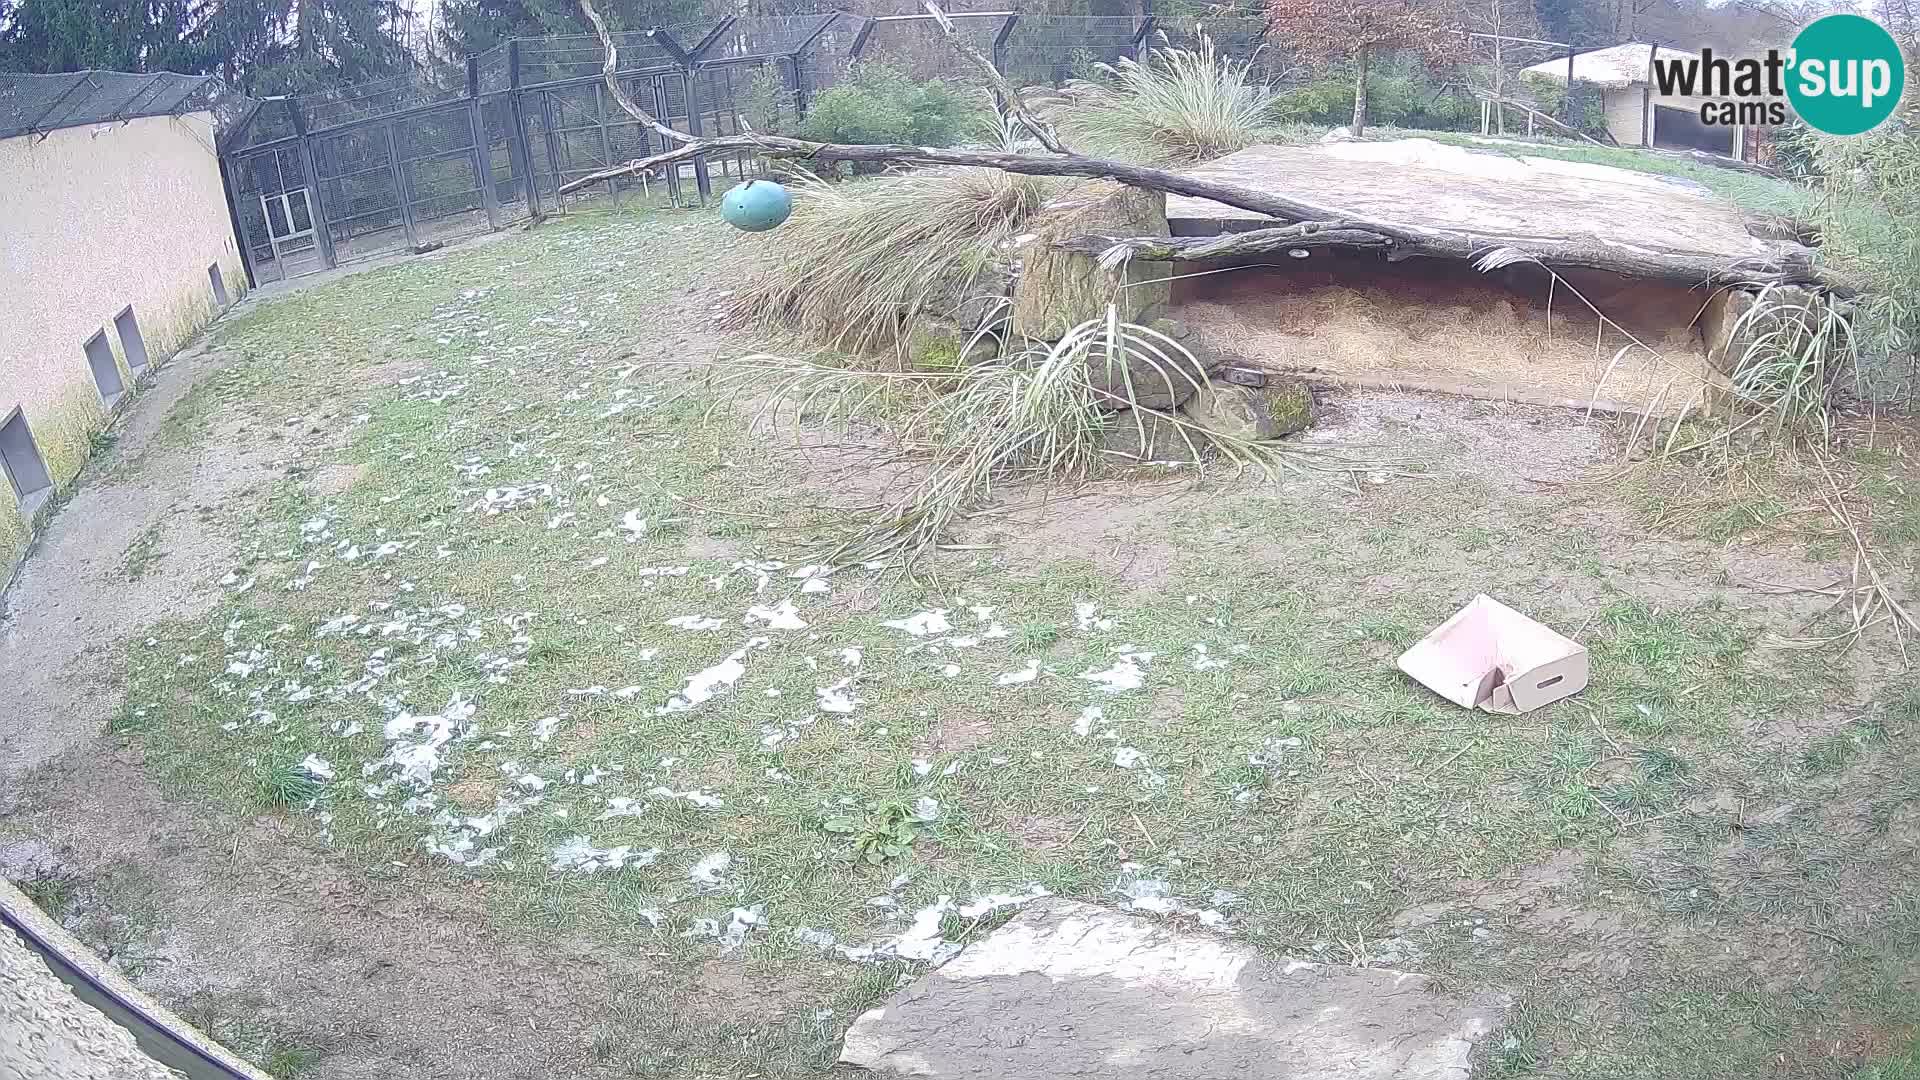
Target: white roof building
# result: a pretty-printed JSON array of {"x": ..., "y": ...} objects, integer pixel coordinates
[{"x": 1637, "y": 114}]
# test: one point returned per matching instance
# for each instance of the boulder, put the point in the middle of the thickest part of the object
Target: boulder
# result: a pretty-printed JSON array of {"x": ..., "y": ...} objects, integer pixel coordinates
[
  {"x": 1058, "y": 290},
  {"x": 1070, "y": 989},
  {"x": 1280, "y": 407},
  {"x": 1143, "y": 383},
  {"x": 1727, "y": 342},
  {"x": 1140, "y": 436}
]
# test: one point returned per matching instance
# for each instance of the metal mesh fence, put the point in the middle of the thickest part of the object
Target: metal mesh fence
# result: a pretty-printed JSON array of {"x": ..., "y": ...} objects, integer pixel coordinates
[{"x": 354, "y": 171}]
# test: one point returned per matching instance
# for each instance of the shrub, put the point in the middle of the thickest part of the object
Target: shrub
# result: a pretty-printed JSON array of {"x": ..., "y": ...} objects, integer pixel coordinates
[
  {"x": 1400, "y": 93},
  {"x": 882, "y": 105},
  {"x": 768, "y": 105},
  {"x": 1870, "y": 223},
  {"x": 1181, "y": 106}
]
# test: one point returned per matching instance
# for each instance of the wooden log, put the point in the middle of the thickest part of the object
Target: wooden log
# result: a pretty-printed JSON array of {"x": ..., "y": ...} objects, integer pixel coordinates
[{"x": 1689, "y": 268}]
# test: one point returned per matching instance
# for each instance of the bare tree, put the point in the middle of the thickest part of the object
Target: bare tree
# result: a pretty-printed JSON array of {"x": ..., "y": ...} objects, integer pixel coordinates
[
  {"x": 1500, "y": 19},
  {"x": 1355, "y": 30}
]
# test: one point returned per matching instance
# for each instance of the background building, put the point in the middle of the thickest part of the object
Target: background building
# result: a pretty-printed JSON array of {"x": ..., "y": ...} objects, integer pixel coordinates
[
  {"x": 118, "y": 246},
  {"x": 1637, "y": 113}
]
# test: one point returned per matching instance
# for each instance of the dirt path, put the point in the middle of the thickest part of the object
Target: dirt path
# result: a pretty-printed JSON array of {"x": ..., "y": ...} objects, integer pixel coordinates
[{"x": 270, "y": 945}]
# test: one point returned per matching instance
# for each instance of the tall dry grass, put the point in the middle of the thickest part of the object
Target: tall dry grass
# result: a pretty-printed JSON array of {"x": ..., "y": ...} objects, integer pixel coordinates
[
  {"x": 1181, "y": 106},
  {"x": 861, "y": 261}
]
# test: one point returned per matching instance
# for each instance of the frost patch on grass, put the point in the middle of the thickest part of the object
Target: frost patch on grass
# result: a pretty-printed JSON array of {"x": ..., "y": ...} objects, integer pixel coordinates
[
  {"x": 1125, "y": 674},
  {"x": 1087, "y": 616},
  {"x": 578, "y": 854},
  {"x": 1024, "y": 675},
  {"x": 1156, "y": 897},
  {"x": 711, "y": 869},
  {"x": 1089, "y": 716},
  {"x": 781, "y": 616},
  {"x": 695, "y": 622},
  {"x": 923, "y": 623},
  {"x": 414, "y": 761},
  {"x": 703, "y": 685},
  {"x": 317, "y": 767},
  {"x": 981, "y": 906},
  {"x": 698, "y": 797},
  {"x": 838, "y": 698},
  {"x": 734, "y": 934}
]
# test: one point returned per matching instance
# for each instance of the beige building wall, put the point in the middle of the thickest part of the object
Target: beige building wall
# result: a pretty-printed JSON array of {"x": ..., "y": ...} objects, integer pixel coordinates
[{"x": 93, "y": 219}]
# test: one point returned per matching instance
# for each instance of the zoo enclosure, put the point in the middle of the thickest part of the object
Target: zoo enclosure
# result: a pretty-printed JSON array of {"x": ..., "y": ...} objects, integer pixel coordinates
[{"x": 341, "y": 175}]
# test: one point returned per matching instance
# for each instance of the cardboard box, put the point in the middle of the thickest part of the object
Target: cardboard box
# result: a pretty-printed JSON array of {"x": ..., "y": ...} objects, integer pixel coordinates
[{"x": 1491, "y": 657}]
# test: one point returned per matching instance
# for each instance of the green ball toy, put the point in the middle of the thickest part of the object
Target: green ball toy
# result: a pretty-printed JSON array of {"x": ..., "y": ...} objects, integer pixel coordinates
[{"x": 756, "y": 206}]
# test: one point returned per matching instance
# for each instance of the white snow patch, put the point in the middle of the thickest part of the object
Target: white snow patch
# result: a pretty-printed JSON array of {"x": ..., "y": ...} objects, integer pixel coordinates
[
  {"x": 1024, "y": 675},
  {"x": 710, "y": 869},
  {"x": 923, "y": 623}
]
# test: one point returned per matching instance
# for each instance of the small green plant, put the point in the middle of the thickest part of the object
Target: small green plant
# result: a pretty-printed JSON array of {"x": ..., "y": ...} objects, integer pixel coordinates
[
  {"x": 142, "y": 553},
  {"x": 101, "y": 441},
  {"x": 1900, "y": 1066},
  {"x": 50, "y": 893},
  {"x": 287, "y": 1062},
  {"x": 1035, "y": 637},
  {"x": 287, "y": 785},
  {"x": 881, "y": 104},
  {"x": 886, "y": 831}
]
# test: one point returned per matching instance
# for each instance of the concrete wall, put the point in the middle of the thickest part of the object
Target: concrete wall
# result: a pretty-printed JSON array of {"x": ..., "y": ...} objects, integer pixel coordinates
[{"x": 96, "y": 218}]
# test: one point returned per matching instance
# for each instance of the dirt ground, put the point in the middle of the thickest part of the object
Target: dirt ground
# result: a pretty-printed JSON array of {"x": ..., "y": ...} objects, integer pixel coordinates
[
  {"x": 230, "y": 918},
  {"x": 1749, "y": 853}
]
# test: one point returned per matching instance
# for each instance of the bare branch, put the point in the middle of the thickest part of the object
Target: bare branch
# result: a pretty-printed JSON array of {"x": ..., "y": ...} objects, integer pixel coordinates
[
  {"x": 607, "y": 70},
  {"x": 1042, "y": 130}
]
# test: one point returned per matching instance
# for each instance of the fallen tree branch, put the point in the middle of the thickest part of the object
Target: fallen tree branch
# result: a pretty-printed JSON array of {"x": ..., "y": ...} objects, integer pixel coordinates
[
  {"x": 1498, "y": 99},
  {"x": 1681, "y": 267}
]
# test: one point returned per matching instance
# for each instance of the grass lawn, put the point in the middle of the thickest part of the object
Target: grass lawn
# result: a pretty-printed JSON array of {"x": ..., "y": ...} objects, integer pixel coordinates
[{"x": 541, "y": 627}]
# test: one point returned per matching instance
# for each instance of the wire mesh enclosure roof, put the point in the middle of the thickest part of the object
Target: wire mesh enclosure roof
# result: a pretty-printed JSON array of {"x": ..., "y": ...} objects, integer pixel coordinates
[
  {"x": 42, "y": 103},
  {"x": 580, "y": 56},
  {"x": 341, "y": 105},
  {"x": 761, "y": 36}
]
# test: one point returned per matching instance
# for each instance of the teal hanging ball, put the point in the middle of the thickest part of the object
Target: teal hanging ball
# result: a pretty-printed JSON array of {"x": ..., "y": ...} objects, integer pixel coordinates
[{"x": 756, "y": 206}]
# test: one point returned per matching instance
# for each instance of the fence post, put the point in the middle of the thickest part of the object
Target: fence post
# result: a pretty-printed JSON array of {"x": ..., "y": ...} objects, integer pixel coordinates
[
  {"x": 799, "y": 87},
  {"x": 799, "y": 73},
  {"x": 860, "y": 37},
  {"x": 1000, "y": 53},
  {"x": 553, "y": 150},
  {"x": 1140, "y": 36},
  {"x": 1566, "y": 106},
  {"x": 482, "y": 147},
  {"x": 322, "y": 231},
  {"x": 517, "y": 150},
  {"x": 606, "y": 140},
  {"x": 400, "y": 187},
  {"x": 233, "y": 218}
]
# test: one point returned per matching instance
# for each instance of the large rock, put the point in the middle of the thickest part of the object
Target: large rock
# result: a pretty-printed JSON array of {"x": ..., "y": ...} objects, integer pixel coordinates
[
  {"x": 1281, "y": 407},
  {"x": 1070, "y": 989},
  {"x": 1726, "y": 340},
  {"x": 1058, "y": 289},
  {"x": 1134, "y": 381},
  {"x": 1140, "y": 436}
]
